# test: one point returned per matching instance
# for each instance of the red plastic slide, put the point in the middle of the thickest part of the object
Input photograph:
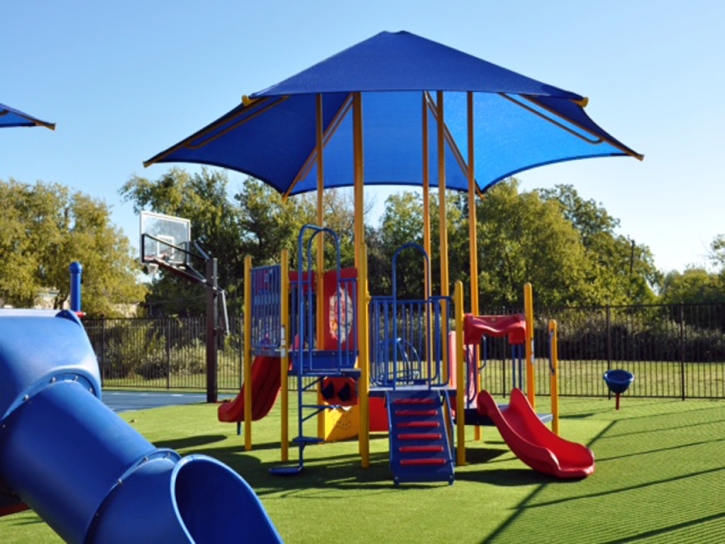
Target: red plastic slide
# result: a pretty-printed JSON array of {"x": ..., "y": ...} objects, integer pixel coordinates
[
  {"x": 533, "y": 442},
  {"x": 266, "y": 380}
]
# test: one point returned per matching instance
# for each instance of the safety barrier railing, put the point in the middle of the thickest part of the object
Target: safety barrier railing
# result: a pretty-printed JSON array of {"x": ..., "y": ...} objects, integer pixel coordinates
[{"x": 676, "y": 351}]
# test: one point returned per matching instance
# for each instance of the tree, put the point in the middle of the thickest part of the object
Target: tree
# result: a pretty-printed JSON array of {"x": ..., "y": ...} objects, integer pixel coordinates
[
  {"x": 402, "y": 223},
  {"x": 622, "y": 271},
  {"x": 693, "y": 286},
  {"x": 45, "y": 227},
  {"x": 201, "y": 198},
  {"x": 523, "y": 238},
  {"x": 255, "y": 221}
]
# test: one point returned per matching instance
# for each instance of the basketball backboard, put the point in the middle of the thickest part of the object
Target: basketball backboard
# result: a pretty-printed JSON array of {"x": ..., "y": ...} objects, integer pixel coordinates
[{"x": 165, "y": 238}]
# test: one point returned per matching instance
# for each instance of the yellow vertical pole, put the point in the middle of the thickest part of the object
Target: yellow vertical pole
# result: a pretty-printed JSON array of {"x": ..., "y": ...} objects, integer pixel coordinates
[
  {"x": 361, "y": 265},
  {"x": 445, "y": 288},
  {"x": 460, "y": 386},
  {"x": 554, "y": 380},
  {"x": 426, "y": 183},
  {"x": 472, "y": 230},
  {"x": 364, "y": 360},
  {"x": 320, "y": 223},
  {"x": 443, "y": 226},
  {"x": 320, "y": 267},
  {"x": 284, "y": 355},
  {"x": 428, "y": 288},
  {"x": 248, "y": 353},
  {"x": 472, "y": 235},
  {"x": 529, "y": 346}
]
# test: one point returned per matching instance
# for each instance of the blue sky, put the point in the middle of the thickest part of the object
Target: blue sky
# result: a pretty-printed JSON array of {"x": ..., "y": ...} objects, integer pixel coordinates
[{"x": 125, "y": 80}]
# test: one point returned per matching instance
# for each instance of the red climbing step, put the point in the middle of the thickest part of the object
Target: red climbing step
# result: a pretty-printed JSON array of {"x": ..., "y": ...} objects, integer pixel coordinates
[
  {"x": 420, "y": 449},
  {"x": 420, "y": 436},
  {"x": 416, "y": 413},
  {"x": 418, "y": 424},
  {"x": 409, "y": 462},
  {"x": 414, "y": 400}
]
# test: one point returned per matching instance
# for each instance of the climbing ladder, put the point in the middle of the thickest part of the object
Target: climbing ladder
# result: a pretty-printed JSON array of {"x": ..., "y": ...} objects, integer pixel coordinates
[
  {"x": 420, "y": 449},
  {"x": 310, "y": 363},
  {"x": 408, "y": 340}
]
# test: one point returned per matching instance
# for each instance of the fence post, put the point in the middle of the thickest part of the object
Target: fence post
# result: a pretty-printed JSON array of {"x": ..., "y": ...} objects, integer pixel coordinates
[
  {"x": 102, "y": 363},
  {"x": 682, "y": 350},
  {"x": 212, "y": 319},
  {"x": 609, "y": 342},
  {"x": 240, "y": 319},
  {"x": 168, "y": 353}
]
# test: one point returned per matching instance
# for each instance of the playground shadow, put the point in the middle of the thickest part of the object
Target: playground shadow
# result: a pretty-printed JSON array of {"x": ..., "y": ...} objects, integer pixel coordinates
[
  {"x": 481, "y": 456},
  {"x": 190, "y": 442},
  {"x": 509, "y": 477},
  {"x": 341, "y": 472}
]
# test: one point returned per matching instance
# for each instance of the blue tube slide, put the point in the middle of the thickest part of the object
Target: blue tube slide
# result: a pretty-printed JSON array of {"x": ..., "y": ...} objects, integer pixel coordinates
[{"x": 87, "y": 473}]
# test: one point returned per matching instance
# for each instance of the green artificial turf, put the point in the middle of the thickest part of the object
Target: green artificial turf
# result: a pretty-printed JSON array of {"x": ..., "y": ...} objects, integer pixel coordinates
[{"x": 660, "y": 477}]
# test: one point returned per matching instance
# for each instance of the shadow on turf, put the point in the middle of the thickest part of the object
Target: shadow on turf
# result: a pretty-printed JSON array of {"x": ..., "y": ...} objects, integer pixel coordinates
[
  {"x": 189, "y": 442},
  {"x": 509, "y": 477}
]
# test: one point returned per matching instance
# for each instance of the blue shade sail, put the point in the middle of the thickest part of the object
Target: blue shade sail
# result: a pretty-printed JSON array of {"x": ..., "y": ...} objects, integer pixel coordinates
[
  {"x": 518, "y": 123},
  {"x": 10, "y": 117}
]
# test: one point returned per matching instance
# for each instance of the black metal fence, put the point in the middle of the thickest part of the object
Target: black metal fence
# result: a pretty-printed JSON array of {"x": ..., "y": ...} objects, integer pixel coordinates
[{"x": 675, "y": 351}]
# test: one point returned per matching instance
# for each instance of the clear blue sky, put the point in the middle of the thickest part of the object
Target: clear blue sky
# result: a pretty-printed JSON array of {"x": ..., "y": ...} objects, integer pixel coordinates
[{"x": 125, "y": 80}]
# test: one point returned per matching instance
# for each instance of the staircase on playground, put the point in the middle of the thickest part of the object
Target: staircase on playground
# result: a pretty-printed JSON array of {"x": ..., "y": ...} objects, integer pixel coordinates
[{"x": 419, "y": 447}]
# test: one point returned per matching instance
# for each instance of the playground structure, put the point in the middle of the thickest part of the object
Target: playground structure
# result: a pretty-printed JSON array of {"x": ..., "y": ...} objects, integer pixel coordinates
[
  {"x": 423, "y": 355},
  {"x": 85, "y": 471},
  {"x": 428, "y": 111}
]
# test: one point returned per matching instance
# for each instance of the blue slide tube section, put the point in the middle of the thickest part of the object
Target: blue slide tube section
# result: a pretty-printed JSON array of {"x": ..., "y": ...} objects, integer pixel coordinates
[{"x": 85, "y": 471}]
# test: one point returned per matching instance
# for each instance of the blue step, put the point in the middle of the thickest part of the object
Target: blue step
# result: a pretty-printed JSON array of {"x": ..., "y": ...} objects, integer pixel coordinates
[{"x": 419, "y": 447}]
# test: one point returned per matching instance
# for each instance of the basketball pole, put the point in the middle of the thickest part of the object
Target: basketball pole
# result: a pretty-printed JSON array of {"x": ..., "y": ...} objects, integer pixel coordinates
[{"x": 212, "y": 328}]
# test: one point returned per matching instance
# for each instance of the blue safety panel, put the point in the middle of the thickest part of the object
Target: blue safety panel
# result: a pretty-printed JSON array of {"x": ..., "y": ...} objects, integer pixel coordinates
[{"x": 266, "y": 309}]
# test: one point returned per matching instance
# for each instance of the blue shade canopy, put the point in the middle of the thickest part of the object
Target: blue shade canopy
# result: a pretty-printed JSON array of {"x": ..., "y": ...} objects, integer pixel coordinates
[
  {"x": 519, "y": 123},
  {"x": 10, "y": 117}
]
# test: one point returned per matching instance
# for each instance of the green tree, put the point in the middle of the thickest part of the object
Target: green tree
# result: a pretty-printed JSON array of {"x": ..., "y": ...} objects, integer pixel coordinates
[
  {"x": 43, "y": 229},
  {"x": 401, "y": 223},
  {"x": 254, "y": 221},
  {"x": 694, "y": 285},
  {"x": 620, "y": 271},
  {"x": 522, "y": 238},
  {"x": 201, "y": 198}
]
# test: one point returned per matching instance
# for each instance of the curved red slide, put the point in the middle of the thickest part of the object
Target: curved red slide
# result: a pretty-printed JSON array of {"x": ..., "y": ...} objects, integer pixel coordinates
[
  {"x": 533, "y": 442},
  {"x": 266, "y": 380}
]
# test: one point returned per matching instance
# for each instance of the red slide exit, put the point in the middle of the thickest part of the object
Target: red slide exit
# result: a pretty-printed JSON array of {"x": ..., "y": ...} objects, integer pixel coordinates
[
  {"x": 266, "y": 381},
  {"x": 533, "y": 442}
]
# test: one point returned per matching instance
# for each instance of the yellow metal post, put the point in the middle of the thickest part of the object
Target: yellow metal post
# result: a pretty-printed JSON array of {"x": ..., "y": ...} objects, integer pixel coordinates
[
  {"x": 442, "y": 219},
  {"x": 472, "y": 224},
  {"x": 320, "y": 267},
  {"x": 284, "y": 355},
  {"x": 472, "y": 234},
  {"x": 364, "y": 359},
  {"x": 460, "y": 386},
  {"x": 529, "y": 346},
  {"x": 248, "y": 353},
  {"x": 361, "y": 265},
  {"x": 443, "y": 229},
  {"x": 426, "y": 185},
  {"x": 554, "y": 383}
]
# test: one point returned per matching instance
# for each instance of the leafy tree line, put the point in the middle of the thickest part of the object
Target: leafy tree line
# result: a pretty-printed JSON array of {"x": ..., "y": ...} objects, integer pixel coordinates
[
  {"x": 43, "y": 228},
  {"x": 566, "y": 246}
]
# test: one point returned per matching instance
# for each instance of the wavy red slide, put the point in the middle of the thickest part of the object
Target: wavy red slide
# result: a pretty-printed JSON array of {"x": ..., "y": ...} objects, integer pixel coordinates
[
  {"x": 533, "y": 442},
  {"x": 266, "y": 381}
]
